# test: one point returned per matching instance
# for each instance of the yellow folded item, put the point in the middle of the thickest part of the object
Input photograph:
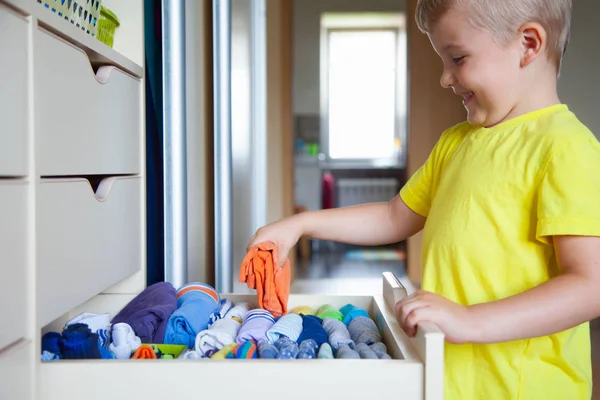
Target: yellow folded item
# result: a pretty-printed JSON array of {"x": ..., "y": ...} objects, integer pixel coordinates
[
  {"x": 222, "y": 354},
  {"x": 306, "y": 310}
]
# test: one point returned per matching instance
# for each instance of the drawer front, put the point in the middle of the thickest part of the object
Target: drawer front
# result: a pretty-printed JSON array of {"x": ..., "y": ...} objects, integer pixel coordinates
[
  {"x": 86, "y": 123},
  {"x": 86, "y": 241},
  {"x": 16, "y": 372},
  {"x": 13, "y": 93},
  {"x": 13, "y": 262}
]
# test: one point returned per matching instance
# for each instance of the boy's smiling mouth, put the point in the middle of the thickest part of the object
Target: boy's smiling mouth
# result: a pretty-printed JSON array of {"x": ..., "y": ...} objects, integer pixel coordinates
[{"x": 467, "y": 96}]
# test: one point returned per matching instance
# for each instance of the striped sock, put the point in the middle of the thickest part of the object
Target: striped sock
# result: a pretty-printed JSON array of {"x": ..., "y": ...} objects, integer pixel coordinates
[
  {"x": 289, "y": 325},
  {"x": 255, "y": 325}
]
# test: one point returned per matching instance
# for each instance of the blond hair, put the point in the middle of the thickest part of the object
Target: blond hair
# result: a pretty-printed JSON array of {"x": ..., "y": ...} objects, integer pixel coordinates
[{"x": 504, "y": 17}]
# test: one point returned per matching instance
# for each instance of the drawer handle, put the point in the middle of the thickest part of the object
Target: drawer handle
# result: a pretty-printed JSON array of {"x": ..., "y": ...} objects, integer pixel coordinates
[{"x": 101, "y": 185}]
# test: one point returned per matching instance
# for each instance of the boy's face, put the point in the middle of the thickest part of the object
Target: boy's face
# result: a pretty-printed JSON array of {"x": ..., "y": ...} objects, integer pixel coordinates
[{"x": 477, "y": 68}]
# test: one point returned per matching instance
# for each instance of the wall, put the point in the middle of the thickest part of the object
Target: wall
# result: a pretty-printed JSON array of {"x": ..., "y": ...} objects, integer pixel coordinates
[
  {"x": 307, "y": 31},
  {"x": 431, "y": 110},
  {"x": 199, "y": 141},
  {"x": 579, "y": 83}
]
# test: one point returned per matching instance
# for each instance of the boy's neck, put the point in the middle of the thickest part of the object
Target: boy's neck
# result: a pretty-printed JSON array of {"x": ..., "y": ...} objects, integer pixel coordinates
[{"x": 536, "y": 94}]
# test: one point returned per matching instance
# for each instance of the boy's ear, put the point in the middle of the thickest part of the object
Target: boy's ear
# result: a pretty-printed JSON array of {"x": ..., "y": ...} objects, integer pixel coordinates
[{"x": 533, "y": 40}]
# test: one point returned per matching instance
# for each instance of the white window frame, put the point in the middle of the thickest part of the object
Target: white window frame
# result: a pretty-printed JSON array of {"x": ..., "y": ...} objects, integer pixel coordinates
[{"x": 396, "y": 22}]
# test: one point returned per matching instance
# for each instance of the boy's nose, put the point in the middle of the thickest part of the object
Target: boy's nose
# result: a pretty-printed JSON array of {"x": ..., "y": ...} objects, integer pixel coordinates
[{"x": 447, "y": 80}]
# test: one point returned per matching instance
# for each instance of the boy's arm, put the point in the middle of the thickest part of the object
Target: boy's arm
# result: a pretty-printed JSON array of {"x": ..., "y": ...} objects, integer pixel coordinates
[
  {"x": 554, "y": 306},
  {"x": 369, "y": 224}
]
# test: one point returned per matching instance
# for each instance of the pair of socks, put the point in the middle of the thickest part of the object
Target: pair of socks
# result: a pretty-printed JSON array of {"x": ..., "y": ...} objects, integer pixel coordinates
[
  {"x": 267, "y": 349},
  {"x": 328, "y": 311},
  {"x": 287, "y": 348},
  {"x": 337, "y": 333},
  {"x": 289, "y": 325},
  {"x": 147, "y": 314},
  {"x": 78, "y": 342},
  {"x": 244, "y": 350},
  {"x": 350, "y": 312},
  {"x": 196, "y": 302},
  {"x": 344, "y": 351},
  {"x": 261, "y": 271},
  {"x": 222, "y": 354},
  {"x": 144, "y": 352},
  {"x": 223, "y": 332},
  {"x": 222, "y": 309},
  {"x": 303, "y": 310},
  {"x": 312, "y": 328},
  {"x": 98, "y": 324},
  {"x": 325, "y": 351},
  {"x": 307, "y": 349},
  {"x": 124, "y": 341},
  {"x": 255, "y": 325},
  {"x": 363, "y": 330}
]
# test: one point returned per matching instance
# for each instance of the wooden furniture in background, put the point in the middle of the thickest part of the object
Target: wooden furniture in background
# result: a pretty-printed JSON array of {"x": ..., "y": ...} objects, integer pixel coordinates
[{"x": 432, "y": 109}]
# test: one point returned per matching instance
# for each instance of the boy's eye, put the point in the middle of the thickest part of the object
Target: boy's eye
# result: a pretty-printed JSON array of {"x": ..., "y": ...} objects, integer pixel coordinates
[{"x": 457, "y": 60}]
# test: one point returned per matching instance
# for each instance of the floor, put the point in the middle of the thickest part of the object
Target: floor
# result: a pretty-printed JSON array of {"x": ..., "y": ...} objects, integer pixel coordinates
[{"x": 337, "y": 273}]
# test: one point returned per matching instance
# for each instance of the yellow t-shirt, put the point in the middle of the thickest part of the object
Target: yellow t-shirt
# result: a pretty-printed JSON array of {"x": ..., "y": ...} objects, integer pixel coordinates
[{"x": 493, "y": 199}]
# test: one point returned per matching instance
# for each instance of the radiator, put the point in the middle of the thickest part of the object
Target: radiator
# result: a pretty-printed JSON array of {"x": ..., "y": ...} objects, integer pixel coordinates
[{"x": 351, "y": 192}]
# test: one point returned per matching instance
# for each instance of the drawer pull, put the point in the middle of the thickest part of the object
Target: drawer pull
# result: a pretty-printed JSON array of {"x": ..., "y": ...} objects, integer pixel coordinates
[{"x": 101, "y": 185}]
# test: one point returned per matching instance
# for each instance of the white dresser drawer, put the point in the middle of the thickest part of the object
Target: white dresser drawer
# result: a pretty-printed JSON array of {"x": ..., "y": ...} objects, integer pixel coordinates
[
  {"x": 414, "y": 373},
  {"x": 86, "y": 241},
  {"x": 86, "y": 123},
  {"x": 14, "y": 57},
  {"x": 13, "y": 262},
  {"x": 16, "y": 372}
]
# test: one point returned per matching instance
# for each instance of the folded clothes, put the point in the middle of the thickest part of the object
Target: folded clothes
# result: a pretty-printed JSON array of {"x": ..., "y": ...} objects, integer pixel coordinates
[
  {"x": 325, "y": 351},
  {"x": 144, "y": 352},
  {"x": 266, "y": 349},
  {"x": 222, "y": 354},
  {"x": 350, "y": 312},
  {"x": 124, "y": 341},
  {"x": 312, "y": 329},
  {"x": 224, "y": 307},
  {"x": 328, "y": 311},
  {"x": 304, "y": 310},
  {"x": 78, "y": 342},
  {"x": 98, "y": 324},
  {"x": 223, "y": 332},
  {"x": 381, "y": 350},
  {"x": 149, "y": 311},
  {"x": 287, "y": 349},
  {"x": 344, "y": 351},
  {"x": 307, "y": 349},
  {"x": 255, "y": 325},
  {"x": 364, "y": 330},
  {"x": 365, "y": 351},
  {"x": 338, "y": 333},
  {"x": 195, "y": 304},
  {"x": 261, "y": 271},
  {"x": 244, "y": 350},
  {"x": 289, "y": 325}
]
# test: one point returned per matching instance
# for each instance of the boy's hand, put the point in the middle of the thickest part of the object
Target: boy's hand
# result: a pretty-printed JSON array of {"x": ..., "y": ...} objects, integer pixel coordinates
[
  {"x": 454, "y": 320},
  {"x": 285, "y": 234}
]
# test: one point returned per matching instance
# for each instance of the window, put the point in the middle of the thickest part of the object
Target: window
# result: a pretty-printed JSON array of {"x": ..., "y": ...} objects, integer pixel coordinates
[{"x": 363, "y": 87}]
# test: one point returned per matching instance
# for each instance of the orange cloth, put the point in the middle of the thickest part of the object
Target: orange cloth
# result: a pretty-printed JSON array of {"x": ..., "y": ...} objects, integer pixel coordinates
[
  {"x": 144, "y": 352},
  {"x": 259, "y": 270}
]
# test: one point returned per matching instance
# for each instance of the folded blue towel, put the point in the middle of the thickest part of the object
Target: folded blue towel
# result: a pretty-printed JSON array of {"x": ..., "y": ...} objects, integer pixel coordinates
[{"x": 195, "y": 304}]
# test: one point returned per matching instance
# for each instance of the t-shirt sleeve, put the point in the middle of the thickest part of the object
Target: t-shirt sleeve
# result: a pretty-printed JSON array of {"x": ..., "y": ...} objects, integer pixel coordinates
[
  {"x": 569, "y": 192},
  {"x": 418, "y": 192}
]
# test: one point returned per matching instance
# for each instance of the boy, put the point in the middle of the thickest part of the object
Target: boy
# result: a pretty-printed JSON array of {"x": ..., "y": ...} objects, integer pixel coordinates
[{"x": 510, "y": 206}]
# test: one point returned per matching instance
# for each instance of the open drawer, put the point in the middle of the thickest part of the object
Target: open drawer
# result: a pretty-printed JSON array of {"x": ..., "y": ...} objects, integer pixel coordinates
[
  {"x": 86, "y": 240},
  {"x": 87, "y": 122},
  {"x": 414, "y": 373}
]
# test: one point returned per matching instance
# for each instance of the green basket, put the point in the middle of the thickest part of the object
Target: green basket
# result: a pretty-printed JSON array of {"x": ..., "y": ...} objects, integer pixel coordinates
[{"x": 107, "y": 24}]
